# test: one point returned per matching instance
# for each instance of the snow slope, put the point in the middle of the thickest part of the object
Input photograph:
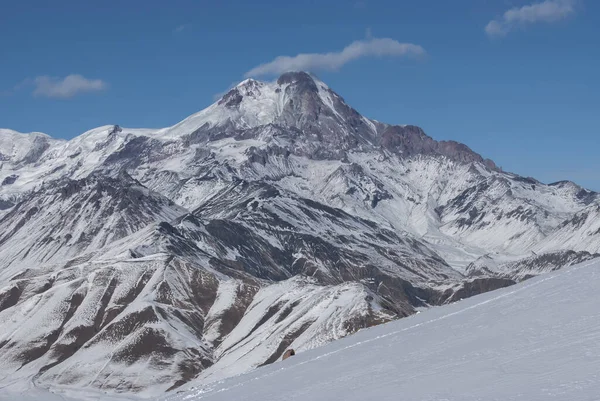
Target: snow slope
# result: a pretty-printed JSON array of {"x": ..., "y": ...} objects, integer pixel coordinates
[
  {"x": 582, "y": 232},
  {"x": 538, "y": 340}
]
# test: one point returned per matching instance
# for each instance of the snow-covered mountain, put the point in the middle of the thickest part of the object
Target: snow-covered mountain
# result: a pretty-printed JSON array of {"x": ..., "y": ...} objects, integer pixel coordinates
[
  {"x": 276, "y": 217},
  {"x": 68, "y": 219},
  {"x": 580, "y": 232}
]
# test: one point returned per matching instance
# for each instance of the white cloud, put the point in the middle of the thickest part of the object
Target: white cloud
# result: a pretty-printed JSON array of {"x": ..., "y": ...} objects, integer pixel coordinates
[
  {"x": 67, "y": 87},
  {"x": 181, "y": 28},
  {"x": 546, "y": 11},
  {"x": 370, "y": 47}
]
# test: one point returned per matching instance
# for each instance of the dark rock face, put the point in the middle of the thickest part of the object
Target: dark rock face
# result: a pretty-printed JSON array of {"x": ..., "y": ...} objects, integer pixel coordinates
[
  {"x": 587, "y": 197},
  {"x": 232, "y": 99},
  {"x": 9, "y": 297},
  {"x": 303, "y": 79},
  {"x": 115, "y": 129},
  {"x": 411, "y": 140},
  {"x": 5, "y": 204},
  {"x": 261, "y": 156},
  {"x": 39, "y": 146},
  {"x": 10, "y": 179},
  {"x": 330, "y": 132}
]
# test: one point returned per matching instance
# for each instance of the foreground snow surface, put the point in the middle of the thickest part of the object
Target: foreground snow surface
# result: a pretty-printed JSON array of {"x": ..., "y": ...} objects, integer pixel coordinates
[{"x": 538, "y": 340}]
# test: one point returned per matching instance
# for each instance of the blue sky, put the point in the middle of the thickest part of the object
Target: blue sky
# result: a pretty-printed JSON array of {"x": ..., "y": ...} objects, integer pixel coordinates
[{"x": 516, "y": 80}]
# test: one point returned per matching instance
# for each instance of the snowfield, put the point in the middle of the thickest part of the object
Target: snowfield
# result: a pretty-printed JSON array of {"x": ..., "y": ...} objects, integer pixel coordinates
[{"x": 538, "y": 340}]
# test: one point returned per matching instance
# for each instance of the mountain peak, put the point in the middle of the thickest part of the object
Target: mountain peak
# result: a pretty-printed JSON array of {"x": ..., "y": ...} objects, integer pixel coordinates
[
  {"x": 324, "y": 125},
  {"x": 298, "y": 77},
  {"x": 303, "y": 81},
  {"x": 248, "y": 81},
  {"x": 293, "y": 100},
  {"x": 249, "y": 84},
  {"x": 19, "y": 147}
]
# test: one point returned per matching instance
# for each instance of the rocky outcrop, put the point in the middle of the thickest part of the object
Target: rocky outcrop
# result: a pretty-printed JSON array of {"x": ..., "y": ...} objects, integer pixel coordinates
[{"x": 290, "y": 352}]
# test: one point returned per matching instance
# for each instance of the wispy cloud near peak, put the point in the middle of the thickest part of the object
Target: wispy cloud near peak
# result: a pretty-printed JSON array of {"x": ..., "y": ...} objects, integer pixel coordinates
[{"x": 332, "y": 61}]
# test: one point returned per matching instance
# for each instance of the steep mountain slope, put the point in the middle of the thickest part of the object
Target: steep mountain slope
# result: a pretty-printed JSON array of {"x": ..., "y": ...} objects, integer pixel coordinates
[
  {"x": 579, "y": 232},
  {"x": 70, "y": 218},
  {"x": 536, "y": 341},
  {"x": 278, "y": 216}
]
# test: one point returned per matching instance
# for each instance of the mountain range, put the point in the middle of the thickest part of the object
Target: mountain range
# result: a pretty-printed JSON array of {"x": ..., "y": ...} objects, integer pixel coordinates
[{"x": 136, "y": 260}]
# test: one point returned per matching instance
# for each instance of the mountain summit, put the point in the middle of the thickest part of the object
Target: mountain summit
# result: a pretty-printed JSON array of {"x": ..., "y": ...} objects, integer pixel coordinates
[
  {"x": 317, "y": 121},
  {"x": 278, "y": 217}
]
